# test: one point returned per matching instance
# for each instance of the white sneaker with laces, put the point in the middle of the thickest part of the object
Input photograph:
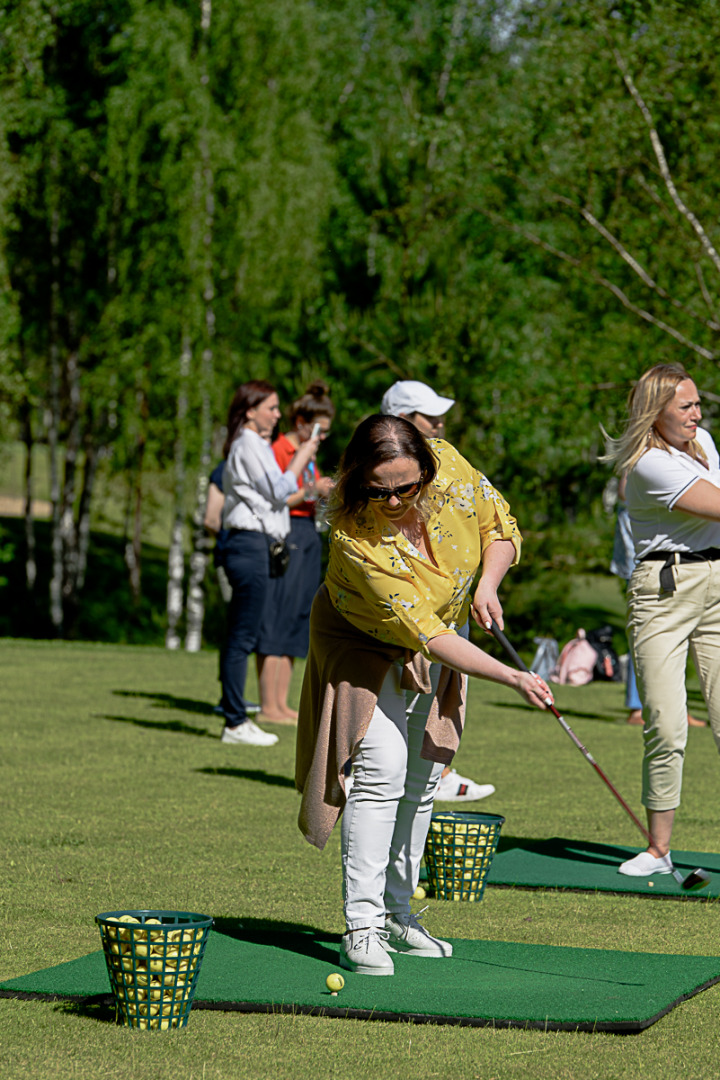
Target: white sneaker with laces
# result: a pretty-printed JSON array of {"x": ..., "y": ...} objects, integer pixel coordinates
[
  {"x": 363, "y": 951},
  {"x": 456, "y": 788},
  {"x": 645, "y": 864},
  {"x": 249, "y": 734},
  {"x": 408, "y": 936}
]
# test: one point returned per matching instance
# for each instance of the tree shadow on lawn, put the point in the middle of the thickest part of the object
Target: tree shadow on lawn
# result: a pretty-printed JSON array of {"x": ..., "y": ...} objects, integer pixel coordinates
[
  {"x": 294, "y": 937},
  {"x": 261, "y": 775},
  {"x": 169, "y": 701},
  {"x": 162, "y": 725}
]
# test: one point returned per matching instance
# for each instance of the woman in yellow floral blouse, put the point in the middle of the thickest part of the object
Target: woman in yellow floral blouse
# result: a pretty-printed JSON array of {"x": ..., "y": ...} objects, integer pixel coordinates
[{"x": 412, "y": 523}]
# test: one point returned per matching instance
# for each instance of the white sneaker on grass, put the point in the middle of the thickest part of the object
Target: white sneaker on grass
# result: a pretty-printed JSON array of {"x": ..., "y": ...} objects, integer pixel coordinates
[
  {"x": 364, "y": 952},
  {"x": 408, "y": 936},
  {"x": 645, "y": 864},
  {"x": 248, "y": 734},
  {"x": 456, "y": 788}
]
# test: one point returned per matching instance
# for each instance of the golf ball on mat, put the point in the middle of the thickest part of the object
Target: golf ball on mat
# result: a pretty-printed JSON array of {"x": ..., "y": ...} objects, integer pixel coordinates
[
  {"x": 419, "y": 893},
  {"x": 334, "y": 982}
]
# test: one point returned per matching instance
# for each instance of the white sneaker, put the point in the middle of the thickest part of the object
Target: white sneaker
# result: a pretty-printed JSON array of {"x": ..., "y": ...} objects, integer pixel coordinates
[
  {"x": 645, "y": 864},
  {"x": 455, "y": 788},
  {"x": 408, "y": 936},
  {"x": 249, "y": 734},
  {"x": 363, "y": 951}
]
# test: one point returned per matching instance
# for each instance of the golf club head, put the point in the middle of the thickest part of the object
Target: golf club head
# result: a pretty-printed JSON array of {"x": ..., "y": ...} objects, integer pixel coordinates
[{"x": 696, "y": 879}]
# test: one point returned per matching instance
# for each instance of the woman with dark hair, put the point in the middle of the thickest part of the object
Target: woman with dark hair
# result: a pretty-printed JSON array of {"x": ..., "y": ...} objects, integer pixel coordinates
[
  {"x": 285, "y": 630},
  {"x": 254, "y": 514},
  {"x": 412, "y": 522},
  {"x": 673, "y": 498}
]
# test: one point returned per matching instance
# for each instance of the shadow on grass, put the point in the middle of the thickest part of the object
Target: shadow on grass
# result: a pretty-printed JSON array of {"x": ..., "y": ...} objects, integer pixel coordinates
[
  {"x": 162, "y": 725},
  {"x": 100, "y": 1008},
  {"x": 568, "y": 714},
  {"x": 294, "y": 937},
  {"x": 260, "y": 775},
  {"x": 576, "y": 851},
  {"x": 169, "y": 701}
]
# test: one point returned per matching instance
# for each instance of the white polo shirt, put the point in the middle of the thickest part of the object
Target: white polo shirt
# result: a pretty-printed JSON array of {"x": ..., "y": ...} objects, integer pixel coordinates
[{"x": 654, "y": 486}]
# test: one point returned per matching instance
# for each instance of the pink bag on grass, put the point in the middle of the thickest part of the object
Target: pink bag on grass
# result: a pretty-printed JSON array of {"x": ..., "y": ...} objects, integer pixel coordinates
[{"x": 576, "y": 663}]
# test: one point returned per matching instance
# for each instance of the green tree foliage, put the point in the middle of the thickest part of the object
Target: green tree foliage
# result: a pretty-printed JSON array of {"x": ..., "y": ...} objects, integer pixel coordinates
[
  {"x": 513, "y": 202},
  {"x": 602, "y": 140}
]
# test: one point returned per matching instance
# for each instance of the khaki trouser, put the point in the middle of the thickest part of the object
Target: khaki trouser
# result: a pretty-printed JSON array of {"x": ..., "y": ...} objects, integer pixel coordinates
[{"x": 661, "y": 628}]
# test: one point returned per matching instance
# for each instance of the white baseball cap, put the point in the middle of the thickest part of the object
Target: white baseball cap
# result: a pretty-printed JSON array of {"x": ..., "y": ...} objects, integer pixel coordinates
[{"x": 409, "y": 396}]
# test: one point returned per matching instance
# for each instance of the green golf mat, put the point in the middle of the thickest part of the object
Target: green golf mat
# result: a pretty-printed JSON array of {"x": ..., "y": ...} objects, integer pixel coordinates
[
  {"x": 582, "y": 864},
  {"x": 484, "y": 983}
]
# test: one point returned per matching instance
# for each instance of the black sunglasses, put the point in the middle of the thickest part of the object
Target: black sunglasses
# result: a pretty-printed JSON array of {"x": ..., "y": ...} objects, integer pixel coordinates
[{"x": 404, "y": 491}]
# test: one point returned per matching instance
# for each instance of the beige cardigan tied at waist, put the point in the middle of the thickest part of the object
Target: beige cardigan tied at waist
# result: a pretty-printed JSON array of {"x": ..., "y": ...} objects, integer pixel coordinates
[{"x": 344, "y": 674}]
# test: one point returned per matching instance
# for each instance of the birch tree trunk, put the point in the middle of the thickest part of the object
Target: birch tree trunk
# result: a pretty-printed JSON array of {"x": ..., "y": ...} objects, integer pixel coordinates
[
  {"x": 133, "y": 544},
  {"x": 92, "y": 455},
  {"x": 176, "y": 553},
  {"x": 201, "y": 541}
]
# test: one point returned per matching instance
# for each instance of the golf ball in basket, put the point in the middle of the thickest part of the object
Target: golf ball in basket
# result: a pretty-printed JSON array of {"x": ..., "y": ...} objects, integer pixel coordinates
[{"x": 334, "y": 982}]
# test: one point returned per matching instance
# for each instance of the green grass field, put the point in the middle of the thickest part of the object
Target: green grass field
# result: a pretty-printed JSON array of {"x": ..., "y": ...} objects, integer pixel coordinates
[{"x": 117, "y": 792}]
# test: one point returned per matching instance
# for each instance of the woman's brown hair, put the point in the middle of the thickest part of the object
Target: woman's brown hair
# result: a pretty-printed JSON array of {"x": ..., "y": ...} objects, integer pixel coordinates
[
  {"x": 248, "y": 396},
  {"x": 316, "y": 401},
  {"x": 376, "y": 440}
]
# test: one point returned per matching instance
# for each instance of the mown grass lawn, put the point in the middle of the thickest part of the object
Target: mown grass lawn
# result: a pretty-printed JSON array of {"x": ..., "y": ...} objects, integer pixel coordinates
[{"x": 116, "y": 792}]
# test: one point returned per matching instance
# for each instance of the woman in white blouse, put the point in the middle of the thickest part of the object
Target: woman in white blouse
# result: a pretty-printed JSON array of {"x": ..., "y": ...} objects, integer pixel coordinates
[
  {"x": 255, "y": 513},
  {"x": 673, "y": 498}
]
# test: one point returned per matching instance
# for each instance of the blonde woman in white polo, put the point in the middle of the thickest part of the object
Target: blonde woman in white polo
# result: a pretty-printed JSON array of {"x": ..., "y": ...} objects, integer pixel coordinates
[{"x": 673, "y": 497}]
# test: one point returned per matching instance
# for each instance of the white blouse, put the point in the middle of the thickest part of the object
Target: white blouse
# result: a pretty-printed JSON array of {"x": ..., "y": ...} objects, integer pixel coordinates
[{"x": 256, "y": 491}]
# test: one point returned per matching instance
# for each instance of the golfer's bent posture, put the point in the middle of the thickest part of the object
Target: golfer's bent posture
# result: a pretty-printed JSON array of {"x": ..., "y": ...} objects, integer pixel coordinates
[
  {"x": 412, "y": 522},
  {"x": 673, "y": 498}
]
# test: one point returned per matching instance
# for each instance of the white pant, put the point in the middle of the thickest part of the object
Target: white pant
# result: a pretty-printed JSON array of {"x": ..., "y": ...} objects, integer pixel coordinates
[{"x": 387, "y": 816}]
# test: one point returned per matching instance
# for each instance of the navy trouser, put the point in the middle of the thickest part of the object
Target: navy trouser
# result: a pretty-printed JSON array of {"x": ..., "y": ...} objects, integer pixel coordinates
[{"x": 247, "y": 563}]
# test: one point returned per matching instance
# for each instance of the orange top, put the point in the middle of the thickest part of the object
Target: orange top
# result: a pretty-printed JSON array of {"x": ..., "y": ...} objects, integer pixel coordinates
[{"x": 284, "y": 452}]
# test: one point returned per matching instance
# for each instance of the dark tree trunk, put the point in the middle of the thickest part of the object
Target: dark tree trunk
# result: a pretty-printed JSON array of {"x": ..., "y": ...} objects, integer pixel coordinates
[{"x": 30, "y": 563}]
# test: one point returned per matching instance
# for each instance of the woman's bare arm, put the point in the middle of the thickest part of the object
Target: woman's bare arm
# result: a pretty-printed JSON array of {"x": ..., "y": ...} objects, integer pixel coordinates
[
  {"x": 701, "y": 500},
  {"x": 461, "y": 655}
]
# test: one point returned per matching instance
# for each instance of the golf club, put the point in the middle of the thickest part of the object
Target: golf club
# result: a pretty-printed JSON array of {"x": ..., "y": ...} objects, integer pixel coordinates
[{"x": 696, "y": 879}]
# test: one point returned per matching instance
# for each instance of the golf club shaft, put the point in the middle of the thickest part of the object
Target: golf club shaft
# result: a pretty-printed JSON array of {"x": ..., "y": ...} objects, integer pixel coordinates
[{"x": 500, "y": 636}]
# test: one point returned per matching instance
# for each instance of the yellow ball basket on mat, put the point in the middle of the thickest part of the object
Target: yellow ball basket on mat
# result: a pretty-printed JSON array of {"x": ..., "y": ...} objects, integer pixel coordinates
[
  {"x": 458, "y": 853},
  {"x": 153, "y": 960}
]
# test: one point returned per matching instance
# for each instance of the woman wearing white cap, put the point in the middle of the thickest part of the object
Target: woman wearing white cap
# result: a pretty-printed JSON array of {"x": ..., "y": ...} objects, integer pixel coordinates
[{"x": 418, "y": 403}]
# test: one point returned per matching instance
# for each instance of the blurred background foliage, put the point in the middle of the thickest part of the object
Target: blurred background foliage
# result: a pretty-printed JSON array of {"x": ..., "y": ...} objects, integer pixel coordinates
[{"x": 466, "y": 192}]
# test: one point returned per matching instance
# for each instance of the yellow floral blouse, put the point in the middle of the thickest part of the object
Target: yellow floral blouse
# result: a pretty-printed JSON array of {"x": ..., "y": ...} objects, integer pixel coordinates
[{"x": 385, "y": 587}]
